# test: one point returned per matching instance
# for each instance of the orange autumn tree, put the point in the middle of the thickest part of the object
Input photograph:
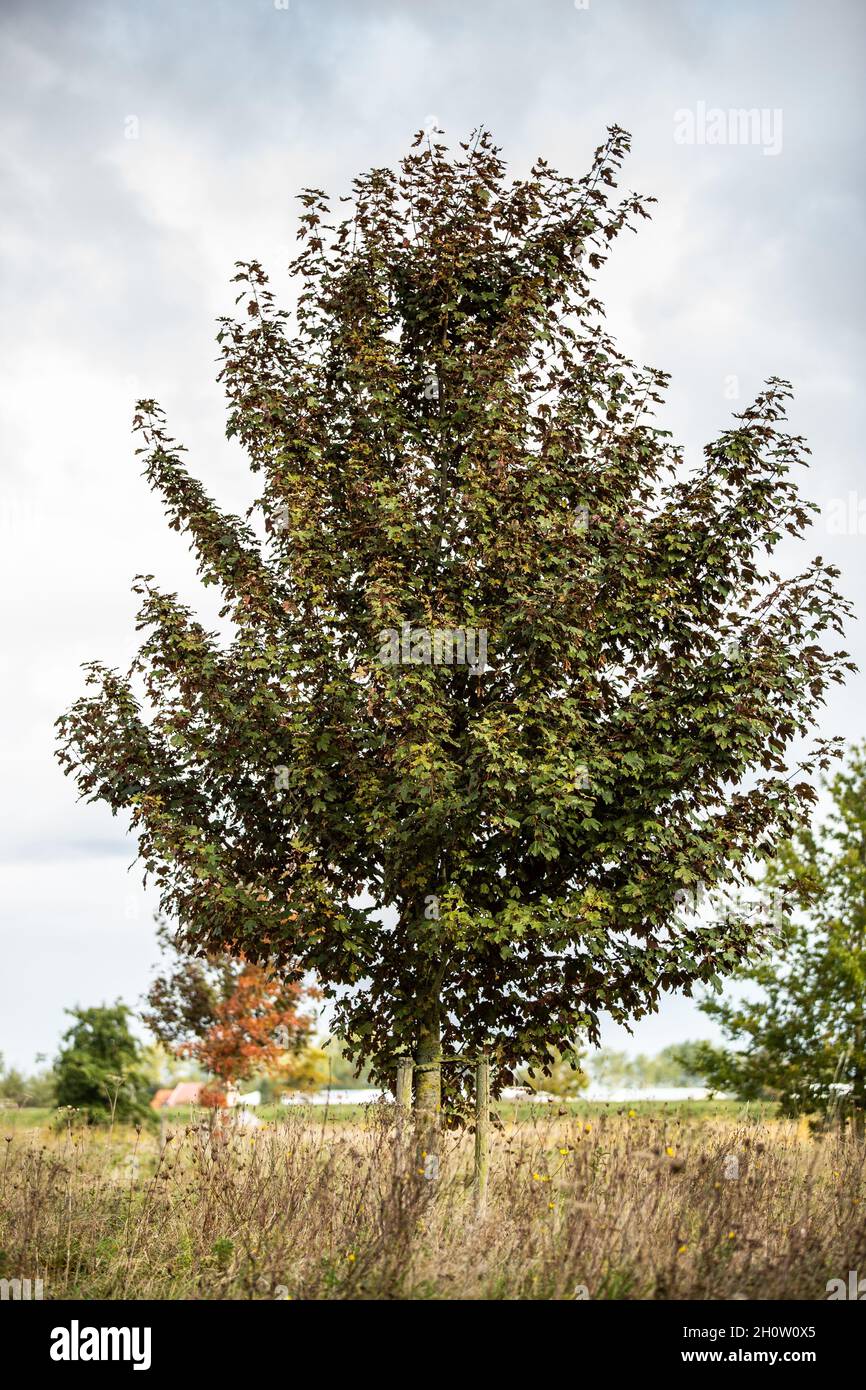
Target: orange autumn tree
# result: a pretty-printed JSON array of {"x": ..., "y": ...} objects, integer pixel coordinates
[
  {"x": 252, "y": 1031},
  {"x": 234, "y": 1018}
]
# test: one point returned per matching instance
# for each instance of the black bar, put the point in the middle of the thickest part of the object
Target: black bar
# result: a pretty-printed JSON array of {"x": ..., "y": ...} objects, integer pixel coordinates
[{"x": 264, "y": 1338}]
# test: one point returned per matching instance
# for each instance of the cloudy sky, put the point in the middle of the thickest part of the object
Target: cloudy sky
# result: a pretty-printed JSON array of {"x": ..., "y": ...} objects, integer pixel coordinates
[{"x": 146, "y": 146}]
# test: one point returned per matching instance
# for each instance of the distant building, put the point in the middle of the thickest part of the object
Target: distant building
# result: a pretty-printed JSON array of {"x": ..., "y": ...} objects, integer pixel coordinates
[
  {"x": 234, "y": 1097},
  {"x": 184, "y": 1093}
]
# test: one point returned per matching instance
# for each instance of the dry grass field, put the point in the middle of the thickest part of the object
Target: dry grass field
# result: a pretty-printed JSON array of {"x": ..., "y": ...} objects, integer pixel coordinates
[{"x": 640, "y": 1204}]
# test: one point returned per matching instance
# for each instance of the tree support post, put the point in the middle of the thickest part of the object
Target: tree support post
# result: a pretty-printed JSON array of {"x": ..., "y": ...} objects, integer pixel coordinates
[
  {"x": 428, "y": 1096},
  {"x": 403, "y": 1093},
  {"x": 482, "y": 1132}
]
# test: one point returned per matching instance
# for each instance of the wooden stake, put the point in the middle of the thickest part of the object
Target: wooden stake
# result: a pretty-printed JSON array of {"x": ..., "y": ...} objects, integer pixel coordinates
[
  {"x": 482, "y": 1132},
  {"x": 403, "y": 1093}
]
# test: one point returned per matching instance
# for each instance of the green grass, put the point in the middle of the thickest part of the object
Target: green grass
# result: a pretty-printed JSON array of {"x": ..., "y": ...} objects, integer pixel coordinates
[
  {"x": 685, "y": 1109},
  {"x": 31, "y": 1117},
  {"x": 274, "y": 1114},
  {"x": 521, "y": 1111}
]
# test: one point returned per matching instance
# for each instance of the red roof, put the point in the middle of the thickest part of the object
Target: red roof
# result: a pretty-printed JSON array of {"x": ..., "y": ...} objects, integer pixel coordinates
[{"x": 184, "y": 1093}]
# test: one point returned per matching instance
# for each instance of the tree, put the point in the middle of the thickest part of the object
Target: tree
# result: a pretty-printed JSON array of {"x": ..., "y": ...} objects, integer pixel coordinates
[
  {"x": 98, "y": 1069},
  {"x": 38, "y": 1089},
  {"x": 182, "y": 1000},
  {"x": 308, "y": 1070},
  {"x": 252, "y": 1031},
  {"x": 678, "y": 1064},
  {"x": 341, "y": 1071},
  {"x": 681, "y": 1064},
  {"x": 503, "y": 675},
  {"x": 233, "y": 1018},
  {"x": 802, "y": 1040},
  {"x": 611, "y": 1068},
  {"x": 564, "y": 1074},
  {"x": 162, "y": 1067}
]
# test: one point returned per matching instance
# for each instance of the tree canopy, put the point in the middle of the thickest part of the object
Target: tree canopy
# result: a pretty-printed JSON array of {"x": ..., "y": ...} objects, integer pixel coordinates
[
  {"x": 470, "y": 854},
  {"x": 99, "y": 1067},
  {"x": 233, "y": 1018}
]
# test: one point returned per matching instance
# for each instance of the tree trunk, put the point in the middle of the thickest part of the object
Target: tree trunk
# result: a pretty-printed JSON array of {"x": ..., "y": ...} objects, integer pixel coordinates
[{"x": 428, "y": 1074}]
